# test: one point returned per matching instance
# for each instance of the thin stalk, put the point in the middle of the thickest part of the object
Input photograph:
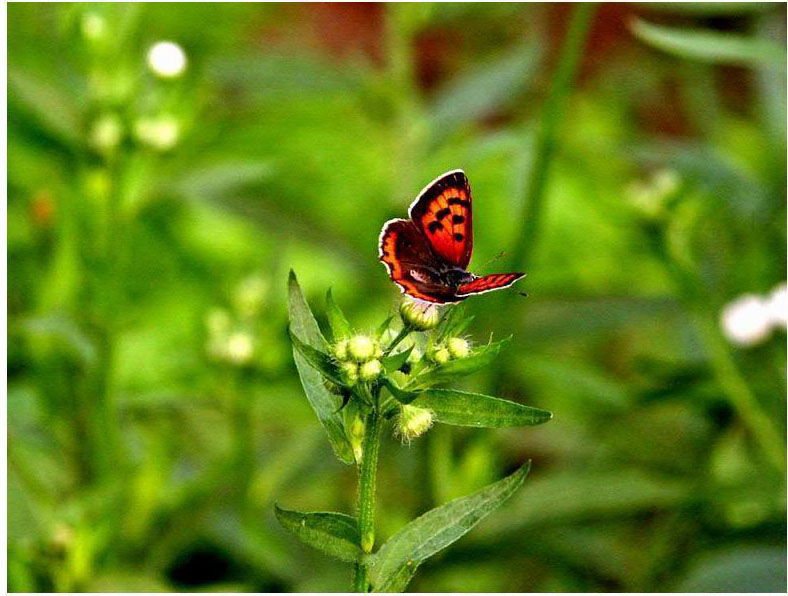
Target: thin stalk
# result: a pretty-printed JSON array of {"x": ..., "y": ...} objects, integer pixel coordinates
[
  {"x": 366, "y": 496},
  {"x": 546, "y": 138},
  {"x": 402, "y": 335}
]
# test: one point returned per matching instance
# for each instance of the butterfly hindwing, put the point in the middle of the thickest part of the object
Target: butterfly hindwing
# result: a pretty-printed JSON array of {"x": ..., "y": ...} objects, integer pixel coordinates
[
  {"x": 442, "y": 211},
  {"x": 487, "y": 283},
  {"x": 411, "y": 263}
]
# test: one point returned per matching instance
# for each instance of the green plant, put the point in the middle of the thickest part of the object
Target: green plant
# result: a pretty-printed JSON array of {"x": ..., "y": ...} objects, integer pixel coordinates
[{"x": 356, "y": 385}]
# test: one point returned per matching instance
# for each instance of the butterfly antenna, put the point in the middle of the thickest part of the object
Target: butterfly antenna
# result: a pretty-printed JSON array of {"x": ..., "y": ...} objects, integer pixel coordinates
[{"x": 495, "y": 258}]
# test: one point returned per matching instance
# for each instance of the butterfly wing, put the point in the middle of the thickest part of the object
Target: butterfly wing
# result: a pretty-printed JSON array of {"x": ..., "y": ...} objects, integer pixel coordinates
[
  {"x": 442, "y": 211},
  {"x": 488, "y": 283},
  {"x": 411, "y": 263}
]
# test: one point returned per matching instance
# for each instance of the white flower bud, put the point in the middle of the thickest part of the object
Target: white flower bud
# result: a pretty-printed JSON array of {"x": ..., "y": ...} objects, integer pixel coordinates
[
  {"x": 160, "y": 133},
  {"x": 371, "y": 370},
  {"x": 166, "y": 59},
  {"x": 458, "y": 347},
  {"x": 340, "y": 350},
  {"x": 440, "y": 355},
  {"x": 349, "y": 372},
  {"x": 413, "y": 422},
  {"x": 240, "y": 348},
  {"x": 106, "y": 132},
  {"x": 418, "y": 314},
  {"x": 361, "y": 348},
  {"x": 747, "y": 320}
]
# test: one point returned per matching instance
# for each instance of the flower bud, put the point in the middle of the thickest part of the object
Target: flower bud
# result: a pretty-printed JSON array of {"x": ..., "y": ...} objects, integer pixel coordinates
[
  {"x": 356, "y": 431},
  {"x": 349, "y": 372},
  {"x": 340, "y": 350},
  {"x": 413, "y": 422},
  {"x": 239, "y": 348},
  {"x": 458, "y": 347},
  {"x": 371, "y": 370},
  {"x": 106, "y": 132},
  {"x": 159, "y": 132},
  {"x": 361, "y": 348},
  {"x": 440, "y": 355},
  {"x": 419, "y": 315}
]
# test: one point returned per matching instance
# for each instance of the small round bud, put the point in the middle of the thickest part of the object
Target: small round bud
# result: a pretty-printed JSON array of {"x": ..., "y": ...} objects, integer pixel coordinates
[
  {"x": 239, "y": 348},
  {"x": 440, "y": 355},
  {"x": 413, "y": 422},
  {"x": 371, "y": 370},
  {"x": 340, "y": 350},
  {"x": 160, "y": 133},
  {"x": 458, "y": 347},
  {"x": 356, "y": 431},
  {"x": 349, "y": 372},
  {"x": 361, "y": 348},
  {"x": 106, "y": 132},
  {"x": 419, "y": 315}
]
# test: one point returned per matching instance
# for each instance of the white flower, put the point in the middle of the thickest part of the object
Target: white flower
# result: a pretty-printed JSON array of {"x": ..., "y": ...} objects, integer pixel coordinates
[
  {"x": 239, "y": 348},
  {"x": 747, "y": 320},
  {"x": 160, "y": 133},
  {"x": 166, "y": 59},
  {"x": 777, "y": 304},
  {"x": 106, "y": 132},
  {"x": 94, "y": 26}
]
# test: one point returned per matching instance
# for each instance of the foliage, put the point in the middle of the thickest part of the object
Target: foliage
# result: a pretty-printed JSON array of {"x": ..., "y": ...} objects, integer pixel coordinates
[{"x": 154, "y": 411}]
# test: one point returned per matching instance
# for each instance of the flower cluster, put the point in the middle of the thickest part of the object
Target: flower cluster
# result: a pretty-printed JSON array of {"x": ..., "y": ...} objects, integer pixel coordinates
[{"x": 358, "y": 359}]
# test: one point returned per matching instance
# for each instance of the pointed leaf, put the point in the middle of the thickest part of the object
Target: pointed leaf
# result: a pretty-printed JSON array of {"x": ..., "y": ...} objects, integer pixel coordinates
[
  {"x": 384, "y": 326},
  {"x": 394, "y": 362},
  {"x": 397, "y": 560},
  {"x": 340, "y": 327},
  {"x": 452, "y": 318},
  {"x": 320, "y": 361},
  {"x": 480, "y": 358},
  {"x": 709, "y": 46},
  {"x": 335, "y": 534},
  {"x": 323, "y": 402},
  {"x": 474, "y": 409}
]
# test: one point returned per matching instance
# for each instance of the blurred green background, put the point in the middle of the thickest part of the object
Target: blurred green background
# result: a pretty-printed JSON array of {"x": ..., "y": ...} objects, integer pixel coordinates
[{"x": 155, "y": 207}]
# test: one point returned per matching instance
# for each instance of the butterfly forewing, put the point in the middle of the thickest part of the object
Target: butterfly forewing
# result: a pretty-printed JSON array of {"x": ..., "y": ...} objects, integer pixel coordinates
[
  {"x": 487, "y": 283},
  {"x": 443, "y": 212}
]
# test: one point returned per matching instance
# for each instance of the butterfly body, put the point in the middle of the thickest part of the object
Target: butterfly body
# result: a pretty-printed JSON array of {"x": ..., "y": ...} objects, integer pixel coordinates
[{"x": 427, "y": 255}]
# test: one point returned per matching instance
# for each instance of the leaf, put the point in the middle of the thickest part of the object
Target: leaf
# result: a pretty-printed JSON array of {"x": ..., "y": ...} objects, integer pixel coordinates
[
  {"x": 402, "y": 396},
  {"x": 384, "y": 326},
  {"x": 394, "y": 362},
  {"x": 395, "y": 563},
  {"x": 340, "y": 327},
  {"x": 320, "y": 361},
  {"x": 744, "y": 568},
  {"x": 708, "y": 46},
  {"x": 335, "y": 534},
  {"x": 323, "y": 402},
  {"x": 474, "y": 409},
  {"x": 481, "y": 358}
]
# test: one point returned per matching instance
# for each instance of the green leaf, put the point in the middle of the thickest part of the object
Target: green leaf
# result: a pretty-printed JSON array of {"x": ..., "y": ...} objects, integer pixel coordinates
[
  {"x": 335, "y": 534},
  {"x": 323, "y": 402},
  {"x": 340, "y": 327},
  {"x": 474, "y": 409},
  {"x": 384, "y": 326},
  {"x": 394, "y": 362},
  {"x": 395, "y": 563},
  {"x": 402, "y": 396},
  {"x": 709, "y": 46},
  {"x": 320, "y": 361},
  {"x": 480, "y": 358}
]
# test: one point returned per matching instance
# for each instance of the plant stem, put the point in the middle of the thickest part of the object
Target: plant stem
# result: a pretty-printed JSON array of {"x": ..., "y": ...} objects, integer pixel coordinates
[
  {"x": 545, "y": 144},
  {"x": 366, "y": 496},
  {"x": 402, "y": 335}
]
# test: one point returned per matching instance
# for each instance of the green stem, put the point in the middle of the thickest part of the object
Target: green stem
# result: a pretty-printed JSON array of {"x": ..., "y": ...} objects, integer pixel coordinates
[
  {"x": 366, "y": 496},
  {"x": 402, "y": 335},
  {"x": 544, "y": 147}
]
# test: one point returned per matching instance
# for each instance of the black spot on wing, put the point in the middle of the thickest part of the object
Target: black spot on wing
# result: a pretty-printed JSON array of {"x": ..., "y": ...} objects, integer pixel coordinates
[
  {"x": 457, "y": 219},
  {"x": 459, "y": 201},
  {"x": 434, "y": 226},
  {"x": 442, "y": 213},
  {"x": 459, "y": 237}
]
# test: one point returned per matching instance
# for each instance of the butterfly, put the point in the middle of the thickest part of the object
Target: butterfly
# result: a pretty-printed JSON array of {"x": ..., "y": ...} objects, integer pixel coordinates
[{"x": 427, "y": 255}]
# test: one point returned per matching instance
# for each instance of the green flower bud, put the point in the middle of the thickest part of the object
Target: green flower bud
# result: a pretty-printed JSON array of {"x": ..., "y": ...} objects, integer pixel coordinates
[
  {"x": 419, "y": 315},
  {"x": 361, "y": 348},
  {"x": 458, "y": 347},
  {"x": 371, "y": 370},
  {"x": 356, "y": 431},
  {"x": 340, "y": 350},
  {"x": 158, "y": 132},
  {"x": 106, "y": 132},
  {"x": 440, "y": 355},
  {"x": 413, "y": 422},
  {"x": 349, "y": 372}
]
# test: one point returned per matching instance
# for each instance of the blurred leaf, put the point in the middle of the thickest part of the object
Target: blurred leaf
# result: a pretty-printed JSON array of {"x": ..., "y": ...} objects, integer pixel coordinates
[
  {"x": 335, "y": 534},
  {"x": 484, "y": 89},
  {"x": 324, "y": 403},
  {"x": 218, "y": 180},
  {"x": 474, "y": 409},
  {"x": 742, "y": 569},
  {"x": 709, "y": 46},
  {"x": 479, "y": 359},
  {"x": 397, "y": 560},
  {"x": 394, "y": 362},
  {"x": 336, "y": 318}
]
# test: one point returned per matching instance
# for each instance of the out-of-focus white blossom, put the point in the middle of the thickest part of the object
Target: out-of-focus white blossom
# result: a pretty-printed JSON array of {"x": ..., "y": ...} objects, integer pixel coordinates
[
  {"x": 106, "y": 132},
  {"x": 778, "y": 305},
  {"x": 218, "y": 321},
  {"x": 159, "y": 132},
  {"x": 250, "y": 295},
  {"x": 239, "y": 348},
  {"x": 93, "y": 26},
  {"x": 167, "y": 59},
  {"x": 747, "y": 320}
]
